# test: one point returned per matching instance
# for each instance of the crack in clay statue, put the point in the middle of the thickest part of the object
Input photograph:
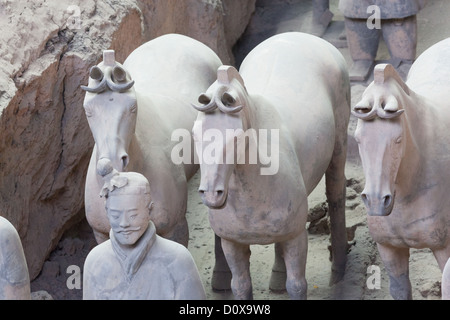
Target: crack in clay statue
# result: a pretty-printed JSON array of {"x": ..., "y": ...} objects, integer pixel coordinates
[
  {"x": 404, "y": 148},
  {"x": 296, "y": 86},
  {"x": 14, "y": 276},
  {"x": 398, "y": 25},
  {"x": 136, "y": 263},
  {"x": 132, "y": 110}
]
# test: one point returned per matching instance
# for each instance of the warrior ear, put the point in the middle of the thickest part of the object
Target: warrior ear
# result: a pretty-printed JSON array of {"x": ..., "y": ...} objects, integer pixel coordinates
[{"x": 226, "y": 74}]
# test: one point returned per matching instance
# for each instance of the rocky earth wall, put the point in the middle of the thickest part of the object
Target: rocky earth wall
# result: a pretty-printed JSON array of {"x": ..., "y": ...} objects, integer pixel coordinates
[{"x": 46, "y": 50}]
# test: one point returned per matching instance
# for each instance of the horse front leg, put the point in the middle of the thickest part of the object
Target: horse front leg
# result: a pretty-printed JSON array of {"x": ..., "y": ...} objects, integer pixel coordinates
[
  {"x": 295, "y": 252},
  {"x": 238, "y": 258},
  {"x": 396, "y": 261},
  {"x": 221, "y": 277}
]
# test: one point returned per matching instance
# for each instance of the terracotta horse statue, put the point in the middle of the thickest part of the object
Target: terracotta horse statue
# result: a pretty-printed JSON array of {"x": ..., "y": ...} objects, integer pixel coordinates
[
  {"x": 405, "y": 153},
  {"x": 290, "y": 99},
  {"x": 14, "y": 276},
  {"x": 132, "y": 111}
]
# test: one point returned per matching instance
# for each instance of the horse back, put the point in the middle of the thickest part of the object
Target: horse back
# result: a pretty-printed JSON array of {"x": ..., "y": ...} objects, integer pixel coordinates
[
  {"x": 429, "y": 75},
  {"x": 173, "y": 65},
  {"x": 305, "y": 79}
]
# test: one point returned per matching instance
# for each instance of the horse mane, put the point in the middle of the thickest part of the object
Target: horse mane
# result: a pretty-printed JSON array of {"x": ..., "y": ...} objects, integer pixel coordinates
[{"x": 383, "y": 72}]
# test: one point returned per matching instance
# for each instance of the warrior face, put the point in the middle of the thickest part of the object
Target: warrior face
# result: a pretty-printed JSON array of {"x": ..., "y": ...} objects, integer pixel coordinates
[{"x": 129, "y": 215}]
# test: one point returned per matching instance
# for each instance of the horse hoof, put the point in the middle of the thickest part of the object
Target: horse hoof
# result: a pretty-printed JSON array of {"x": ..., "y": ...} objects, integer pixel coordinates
[
  {"x": 278, "y": 281},
  {"x": 336, "y": 276},
  {"x": 221, "y": 280}
]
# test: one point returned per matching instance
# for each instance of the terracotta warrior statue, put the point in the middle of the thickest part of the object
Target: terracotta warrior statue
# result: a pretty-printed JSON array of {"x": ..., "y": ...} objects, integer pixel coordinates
[
  {"x": 322, "y": 17},
  {"x": 136, "y": 263},
  {"x": 14, "y": 276},
  {"x": 397, "y": 24}
]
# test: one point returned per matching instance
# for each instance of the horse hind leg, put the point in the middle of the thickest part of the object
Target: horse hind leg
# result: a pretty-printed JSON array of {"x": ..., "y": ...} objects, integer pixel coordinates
[
  {"x": 278, "y": 276},
  {"x": 335, "y": 182},
  {"x": 221, "y": 277}
]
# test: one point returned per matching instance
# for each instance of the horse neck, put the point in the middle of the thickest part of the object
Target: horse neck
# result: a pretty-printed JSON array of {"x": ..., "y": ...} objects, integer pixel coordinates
[
  {"x": 259, "y": 116},
  {"x": 416, "y": 120}
]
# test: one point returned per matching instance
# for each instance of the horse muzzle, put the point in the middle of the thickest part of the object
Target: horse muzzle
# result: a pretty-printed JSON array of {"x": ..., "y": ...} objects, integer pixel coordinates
[
  {"x": 214, "y": 199},
  {"x": 378, "y": 205}
]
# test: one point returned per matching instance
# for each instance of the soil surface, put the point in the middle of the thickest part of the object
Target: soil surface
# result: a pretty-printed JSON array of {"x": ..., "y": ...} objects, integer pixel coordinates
[{"x": 273, "y": 17}]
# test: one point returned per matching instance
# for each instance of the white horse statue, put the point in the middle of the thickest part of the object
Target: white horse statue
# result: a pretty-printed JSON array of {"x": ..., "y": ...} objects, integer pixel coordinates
[
  {"x": 132, "y": 110},
  {"x": 404, "y": 146},
  {"x": 291, "y": 96}
]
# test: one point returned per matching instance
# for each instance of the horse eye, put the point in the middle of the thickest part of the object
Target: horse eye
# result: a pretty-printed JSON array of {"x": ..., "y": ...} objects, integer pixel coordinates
[{"x": 399, "y": 139}]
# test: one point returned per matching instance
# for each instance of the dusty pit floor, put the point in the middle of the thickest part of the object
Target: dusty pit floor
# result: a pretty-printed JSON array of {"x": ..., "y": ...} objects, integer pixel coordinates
[{"x": 273, "y": 17}]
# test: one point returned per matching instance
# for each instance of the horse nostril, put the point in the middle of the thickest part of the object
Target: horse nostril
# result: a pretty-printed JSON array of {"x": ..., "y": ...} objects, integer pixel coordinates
[
  {"x": 387, "y": 200},
  {"x": 125, "y": 161},
  {"x": 219, "y": 192},
  {"x": 365, "y": 198}
]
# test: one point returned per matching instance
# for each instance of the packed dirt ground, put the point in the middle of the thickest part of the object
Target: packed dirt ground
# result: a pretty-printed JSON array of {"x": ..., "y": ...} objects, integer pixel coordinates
[{"x": 273, "y": 17}]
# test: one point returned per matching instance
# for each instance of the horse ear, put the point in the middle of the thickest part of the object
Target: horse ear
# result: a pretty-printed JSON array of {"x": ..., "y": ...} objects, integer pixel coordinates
[
  {"x": 391, "y": 105},
  {"x": 204, "y": 98},
  {"x": 226, "y": 74},
  {"x": 363, "y": 106},
  {"x": 228, "y": 99}
]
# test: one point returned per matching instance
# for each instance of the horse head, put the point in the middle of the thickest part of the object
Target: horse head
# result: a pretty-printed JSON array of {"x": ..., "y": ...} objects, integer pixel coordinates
[
  {"x": 218, "y": 134},
  {"x": 381, "y": 135},
  {"x": 111, "y": 109}
]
